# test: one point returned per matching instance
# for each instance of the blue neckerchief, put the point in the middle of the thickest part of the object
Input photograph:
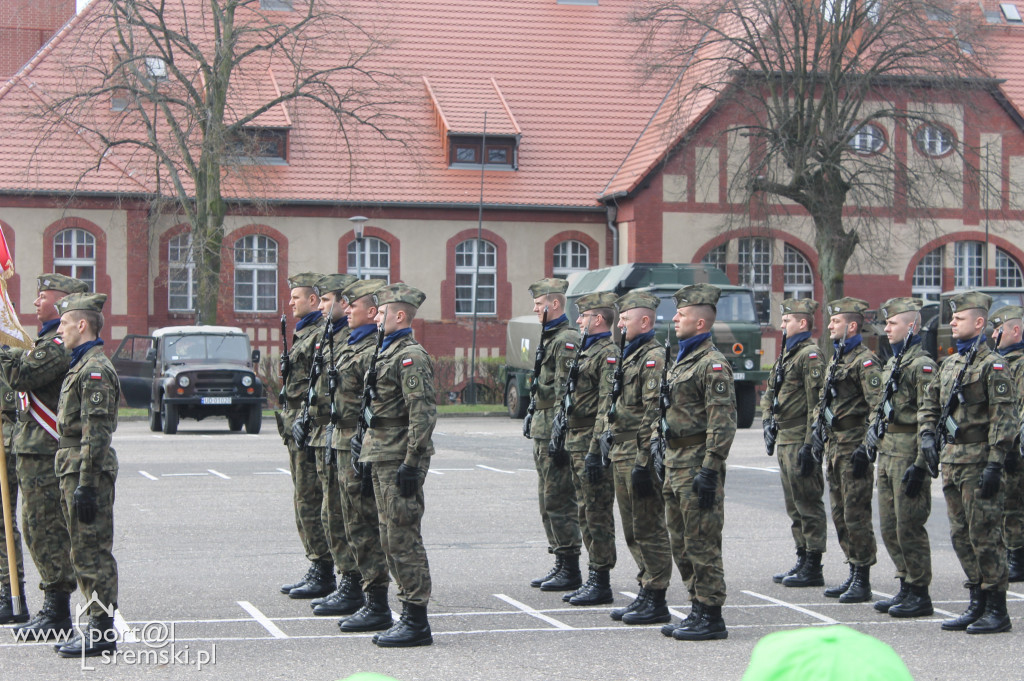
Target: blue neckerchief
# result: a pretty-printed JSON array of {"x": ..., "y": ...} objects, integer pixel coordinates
[
  {"x": 851, "y": 343},
  {"x": 77, "y": 353},
  {"x": 963, "y": 346},
  {"x": 555, "y": 322},
  {"x": 361, "y": 332},
  {"x": 594, "y": 337},
  {"x": 798, "y": 338},
  {"x": 1010, "y": 348},
  {"x": 637, "y": 342},
  {"x": 339, "y": 325},
  {"x": 897, "y": 348},
  {"x": 690, "y": 343},
  {"x": 393, "y": 336},
  {"x": 312, "y": 318},
  {"x": 49, "y": 326}
]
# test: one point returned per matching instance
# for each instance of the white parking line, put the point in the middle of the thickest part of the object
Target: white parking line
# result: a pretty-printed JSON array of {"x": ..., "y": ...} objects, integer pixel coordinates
[
  {"x": 756, "y": 468},
  {"x": 262, "y": 619},
  {"x": 530, "y": 611},
  {"x": 809, "y": 613},
  {"x": 435, "y": 472},
  {"x": 496, "y": 470},
  {"x": 127, "y": 635},
  {"x": 147, "y": 475},
  {"x": 218, "y": 474},
  {"x": 285, "y": 471},
  {"x": 277, "y": 472}
]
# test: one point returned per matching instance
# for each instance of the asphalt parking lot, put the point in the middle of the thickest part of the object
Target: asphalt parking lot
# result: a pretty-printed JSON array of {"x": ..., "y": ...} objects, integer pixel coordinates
[{"x": 205, "y": 535}]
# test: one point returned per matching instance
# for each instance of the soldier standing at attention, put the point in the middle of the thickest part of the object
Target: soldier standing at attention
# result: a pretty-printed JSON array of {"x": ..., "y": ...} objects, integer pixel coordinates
[
  {"x": 858, "y": 382},
  {"x": 904, "y": 486},
  {"x": 38, "y": 375},
  {"x": 87, "y": 467},
  {"x": 308, "y": 492},
  {"x": 10, "y": 415},
  {"x": 559, "y": 510},
  {"x": 1011, "y": 347},
  {"x": 641, "y": 507},
  {"x": 397, "y": 449},
  {"x": 979, "y": 435},
  {"x": 796, "y": 397}
]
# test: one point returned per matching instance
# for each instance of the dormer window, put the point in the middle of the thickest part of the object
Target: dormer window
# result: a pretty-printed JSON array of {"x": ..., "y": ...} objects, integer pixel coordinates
[
  {"x": 465, "y": 152},
  {"x": 267, "y": 146}
]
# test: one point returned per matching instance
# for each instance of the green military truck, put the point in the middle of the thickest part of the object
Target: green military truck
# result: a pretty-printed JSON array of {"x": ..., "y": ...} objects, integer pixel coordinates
[{"x": 736, "y": 332}]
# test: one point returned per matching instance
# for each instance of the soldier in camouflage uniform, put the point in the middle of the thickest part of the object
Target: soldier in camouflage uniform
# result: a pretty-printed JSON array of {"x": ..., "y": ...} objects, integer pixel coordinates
[
  {"x": 904, "y": 487},
  {"x": 308, "y": 494},
  {"x": 701, "y": 424},
  {"x": 986, "y": 422},
  {"x": 9, "y": 416},
  {"x": 397, "y": 448},
  {"x": 850, "y": 473},
  {"x": 641, "y": 507},
  {"x": 1011, "y": 346},
  {"x": 802, "y": 375},
  {"x": 559, "y": 509},
  {"x": 87, "y": 467},
  {"x": 358, "y": 502},
  {"x": 38, "y": 374}
]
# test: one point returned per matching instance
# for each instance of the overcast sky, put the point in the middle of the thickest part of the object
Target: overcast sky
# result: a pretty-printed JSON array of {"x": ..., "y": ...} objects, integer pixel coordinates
[{"x": 81, "y": 4}]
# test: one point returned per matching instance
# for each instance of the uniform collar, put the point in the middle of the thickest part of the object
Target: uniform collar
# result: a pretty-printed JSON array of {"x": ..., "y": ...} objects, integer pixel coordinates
[
  {"x": 795, "y": 340},
  {"x": 312, "y": 318},
  {"x": 361, "y": 332},
  {"x": 686, "y": 346},
  {"x": 47, "y": 327},
  {"x": 393, "y": 336},
  {"x": 594, "y": 337},
  {"x": 80, "y": 351},
  {"x": 964, "y": 346},
  {"x": 898, "y": 347},
  {"x": 555, "y": 322},
  {"x": 339, "y": 325},
  {"x": 632, "y": 345},
  {"x": 851, "y": 343}
]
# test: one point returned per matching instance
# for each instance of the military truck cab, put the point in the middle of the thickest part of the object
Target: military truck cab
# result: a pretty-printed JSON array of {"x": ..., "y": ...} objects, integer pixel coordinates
[{"x": 1001, "y": 297}]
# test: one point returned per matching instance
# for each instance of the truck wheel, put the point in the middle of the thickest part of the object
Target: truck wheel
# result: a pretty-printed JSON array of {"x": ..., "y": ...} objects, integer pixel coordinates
[
  {"x": 255, "y": 420},
  {"x": 155, "y": 422},
  {"x": 745, "y": 404},
  {"x": 169, "y": 412},
  {"x": 235, "y": 422},
  {"x": 516, "y": 405}
]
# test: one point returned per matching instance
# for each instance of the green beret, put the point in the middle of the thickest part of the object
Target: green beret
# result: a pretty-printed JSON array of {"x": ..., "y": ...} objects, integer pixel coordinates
[
  {"x": 895, "y": 306},
  {"x": 697, "y": 294},
  {"x": 548, "y": 286},
  {"x": 305, "y": 279},
  {"x": 362, "y": 287},
  {"x": 329, "y": 283},
  {"x": 847, "y": 306},
  {"x": 1007, "y": 313},
  {"x": 970, "y": 300},
  {"x": 399, "y": 293},
  {"x": 593, "y": 301},
  {"x": 799, "y": 306},
  {"x": 82, "y": 301},
  {"x": 634, "y": 299},
  {"x": 834, "y": 653},
  {"x": 60, "y": 282}
]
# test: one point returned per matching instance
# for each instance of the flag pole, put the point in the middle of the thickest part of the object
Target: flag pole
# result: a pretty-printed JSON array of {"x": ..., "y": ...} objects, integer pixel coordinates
[{"x": 12, "y": 557}]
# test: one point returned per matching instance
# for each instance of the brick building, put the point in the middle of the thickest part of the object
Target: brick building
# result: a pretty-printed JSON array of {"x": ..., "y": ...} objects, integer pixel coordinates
[{"x": 25, "y": 26}]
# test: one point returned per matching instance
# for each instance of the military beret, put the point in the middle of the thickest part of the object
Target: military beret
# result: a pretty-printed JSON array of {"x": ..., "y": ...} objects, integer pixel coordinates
[
  {"x": 799, "y": 306},
  {"x": 593, "y": 301},
  {"x": 548, "y": 286},
  {"x": 970, "y": 300},
  {"x": 847, "y": 306},
  {"x": 634, "y": 299},
  {"x": 895, "y": 306},
  {"x": 332, "y": 282},
  {"x": 697, "y": 294},
  {"x": 82, "y": 301},
  {"x": 362, "y": 287},
  {"x": 305, "y": 279},
  {"x": 1006, "y": 313},
  {"x": 399, "y": 293},
  {"x": 60, "y": 282}
]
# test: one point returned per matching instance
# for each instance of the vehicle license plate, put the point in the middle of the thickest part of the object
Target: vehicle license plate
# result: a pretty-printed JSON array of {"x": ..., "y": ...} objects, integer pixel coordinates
[{"x": 215, "y": 400}]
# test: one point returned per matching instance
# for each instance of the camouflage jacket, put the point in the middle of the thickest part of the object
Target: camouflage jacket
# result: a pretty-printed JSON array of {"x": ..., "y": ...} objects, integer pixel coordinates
[
  {"x": 559, "y": 351},
  {"x": 988, "y": 414},
  {"x": 918, "y": 370},
  {"x": 858, "y": 386},
  {"x": 703, "y": 409},
  {"x": 1015, "y": 359},
  {"x": 87, "y": 418},
  {"x": 803, "y": 372},
  {"x": 590, "y": 401},
  {"x": 636, "y": 410},
  {"x": 40, "y": 371},
  {"x": 353, "y": 362},
  {"x": 405, "y": 414},
  {"x": 301, "y": 359},
  {"x": 321, "y": 412},
  {"x": 9, "y": 407}
]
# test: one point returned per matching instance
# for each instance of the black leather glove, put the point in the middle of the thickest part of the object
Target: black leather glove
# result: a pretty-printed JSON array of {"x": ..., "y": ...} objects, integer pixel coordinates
[
  {"x": 817, "y": 444},
  {"x": 527, "y": 423},
  {"x": 355, "y": 448},
  {"x": 86, "y": 505},
  {"x": 860, "y": 462},
  {"x": 605, "y": 443},
  {"x": 930, "y": 449},
  {"x": 704, "y": 485},
  {"x": 770, "y": 431},
  {"x": 643, "y": 486},
  {"x": 658, "y": 445},
  {"x": 990, "y": 480},
  {"x": 913, "y": 480},
  {"x": 872, "y": 437},
  {"x": 365, "y": 480},
  {"x": 299, "y": 432},
  {"x": 593, "y": 467},
  {"x": 806, "y": 460},
  {"x": 408, "y": 480}
]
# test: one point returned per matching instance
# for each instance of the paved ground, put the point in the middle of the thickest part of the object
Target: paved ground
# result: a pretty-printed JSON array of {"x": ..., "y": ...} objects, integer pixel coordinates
[{"x": 205, "y": 535}]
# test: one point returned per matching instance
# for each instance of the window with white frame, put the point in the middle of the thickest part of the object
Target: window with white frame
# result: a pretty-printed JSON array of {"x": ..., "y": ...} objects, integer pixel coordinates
[
  {"x": 798, "y": 279},
  {"x": 926, "y": 283},
  {"x": 570, "y": 256},
  {"x": 755, "y": 268},
  {"x": 371, "y": 259},
  {"x": 868, "y": 139},
  {"x": 715, "y": 257},
  {"x": 74, "y": 254},
  {"x": 1008, "y": 272},
  {"x": 255, "y": 274},
  {"x": 968, "y": 264},
  {"x": 181, "y": 274},
  {"x": 476, "y": 269},
  {"x": 934, "y": 140}
]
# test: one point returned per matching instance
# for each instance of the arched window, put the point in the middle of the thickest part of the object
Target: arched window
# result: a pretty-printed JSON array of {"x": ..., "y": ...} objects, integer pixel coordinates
[
  {"x": 1008, "y": 272},
  {"x": 375, "y": 262},
  {"x": 798, "y": 279},
  {"x": 716, "y": 257},
  {"x": 968, "y": 264},
  {"x": 926, "y": 282},
  {"x": 181, "y": 274},
  {"x": 476, "y": 269},
  {"x": 570, "y": 256},
  {"x": 255, "y": 274},
  {"x": 755, "y": 268},
  {"x": 74, "y": 254}
]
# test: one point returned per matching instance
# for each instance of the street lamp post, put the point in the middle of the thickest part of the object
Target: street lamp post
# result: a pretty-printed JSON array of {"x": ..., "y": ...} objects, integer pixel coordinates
[{"x": 357, "y": 224}]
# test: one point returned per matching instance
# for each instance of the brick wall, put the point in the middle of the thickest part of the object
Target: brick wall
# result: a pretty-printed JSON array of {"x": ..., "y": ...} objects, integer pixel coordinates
[{"x": 25, "y": 26}]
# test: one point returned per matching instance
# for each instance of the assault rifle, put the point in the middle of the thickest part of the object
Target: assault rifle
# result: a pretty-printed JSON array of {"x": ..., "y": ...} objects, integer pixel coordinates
[
  {"x": 538, "y": 360},
  {"x": 884, "y": 413},
  {"x": 284, "y": 364},
  {"x": 331, "y": 454},
  {"x": 301, "y": 426},
  {"x": 369, "y": 395},
  {"x": 560, "y": 426},
  {"x": 771, "y": 424},
  {"x": 606, "y": 437},
  {"x": 659, "y": 445},
  {"x": 828, "y": 393}
]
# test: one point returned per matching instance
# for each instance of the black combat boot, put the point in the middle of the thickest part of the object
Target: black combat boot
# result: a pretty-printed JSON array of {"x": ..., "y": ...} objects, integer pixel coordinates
[
  {"x": 566, "y": 579},
  {"x": 535, "y": 583},
  {"x": 837, "y": 591},
  {"x": 617, "y": 613},
  {"x": 597, "y": 590},
  {"x": 994, "y": 619},
  {"x": 375, "y": 615},
  {"x": 99, "y": 637},
  {"x": 652, "y": 611},
  {"x": 7, "y": 615},
  {"x": 286, "y": 588},
  {"x": 320, "y": 583},
  {"x": 709, "y": 627},
  {"x": 916, "y": 603},
  {"x": 344, "y": 600},
  {"x": 886, "y": 603},
  {"x": 1015, "y": 564},
  {"x": 974, "y": 610},
  {"x": 801, "y": 556},
  {"x": 809, "y": 573},
  {"x": 860, "y": 587},
  {"x": 695, "y": 614},
  {"x": 411, "y": 630},
  {"x": 53, "y": 620}
]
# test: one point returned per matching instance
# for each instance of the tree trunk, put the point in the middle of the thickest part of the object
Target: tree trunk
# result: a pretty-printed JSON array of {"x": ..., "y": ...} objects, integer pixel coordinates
[{"x": 835, "y": 246}]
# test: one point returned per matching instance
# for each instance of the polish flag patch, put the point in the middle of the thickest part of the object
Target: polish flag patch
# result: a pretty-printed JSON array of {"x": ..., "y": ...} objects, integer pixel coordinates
[
  {"x": 813, "y": 355},
  {"x": 407, "y": 362},
  {"x": 927, "y": 369},
  {"x": 96, "y": 376},
  {"x": 716, "y": 367},
  {"x": 612, "y": 360},
  {"x": 58, "y": 340},
  {"x": 651, "y": 364},
  {"x": 868, "y": 363},
  {"x": 570, "y": 346},
  {"x": 997, "y": 366}
]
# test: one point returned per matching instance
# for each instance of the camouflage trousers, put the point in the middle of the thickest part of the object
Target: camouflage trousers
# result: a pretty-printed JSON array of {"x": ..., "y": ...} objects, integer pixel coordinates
[
  {"x": 597, "y": 514},
  {"x": 1013, "y": 510},
  {"x": 643, "y": 528},
  {"x": 850, "y": 499},
  {"x": 695, "y": 535},
  {"x": 975, "y": 526},
  {"x": 91, "y": 544},
  {"x": 804, "y": 498},
  {"x": 559, "y": 509},
  {"x": 361, "y": 526},
  {"x": 902, "y": 520},
  {"x": 308, "y": 496},
  {"x": 12, "y": 488},
  {"x": 399, "y": 520},
  {"x": 45, "y": 523},
  {"x": 332, "y": 516}
]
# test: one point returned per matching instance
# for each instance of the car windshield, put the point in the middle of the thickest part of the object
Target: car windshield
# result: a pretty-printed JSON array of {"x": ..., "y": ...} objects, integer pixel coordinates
[
  {"x": 733, "y": 306},
  {"x": 207, "y": 347}
]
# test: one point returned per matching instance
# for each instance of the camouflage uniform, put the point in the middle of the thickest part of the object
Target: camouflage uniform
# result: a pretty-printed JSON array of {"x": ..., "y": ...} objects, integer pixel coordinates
[
  {"x": 1013, "y": 480},
  {"x": 9, "y": 415}
]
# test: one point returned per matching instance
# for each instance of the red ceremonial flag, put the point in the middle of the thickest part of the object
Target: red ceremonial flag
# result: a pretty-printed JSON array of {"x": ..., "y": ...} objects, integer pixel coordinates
[{"x": 12, "y": 333}]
